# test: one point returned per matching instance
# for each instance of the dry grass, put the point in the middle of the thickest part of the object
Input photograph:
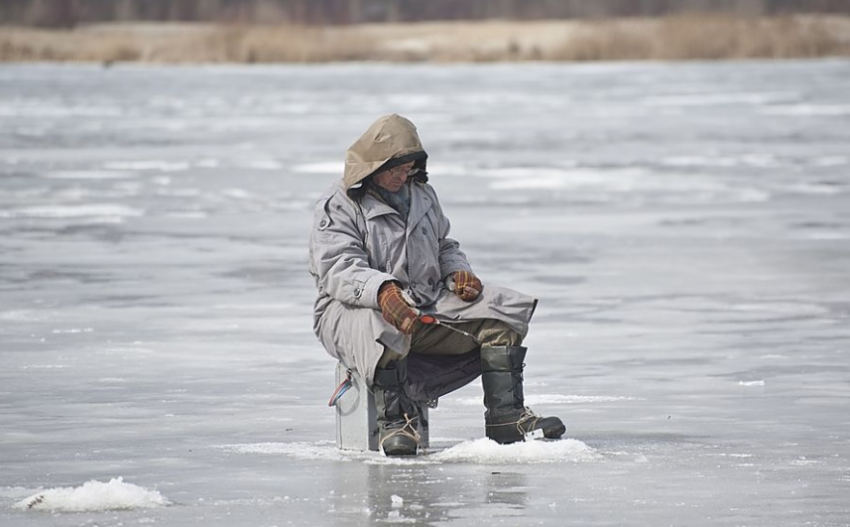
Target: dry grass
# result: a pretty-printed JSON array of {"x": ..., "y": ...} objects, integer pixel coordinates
[
  {"x": 674, "y": 38},
  {"x": 710, "y": 38}
]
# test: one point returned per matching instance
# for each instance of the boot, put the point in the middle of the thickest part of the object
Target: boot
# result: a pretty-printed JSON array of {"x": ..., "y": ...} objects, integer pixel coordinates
[
  {"x": 507, "y": 420},
  {"x": 398, "y": 416}
]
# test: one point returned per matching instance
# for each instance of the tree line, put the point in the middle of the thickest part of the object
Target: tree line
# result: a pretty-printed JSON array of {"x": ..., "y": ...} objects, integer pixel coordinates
[{"x": 69, "y": 13}]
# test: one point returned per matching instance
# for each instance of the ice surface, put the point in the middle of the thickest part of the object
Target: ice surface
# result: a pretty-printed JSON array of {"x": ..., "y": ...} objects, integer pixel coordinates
[
  {"x": 685, "y": 227},
  {"x": 482, "y": 451}
]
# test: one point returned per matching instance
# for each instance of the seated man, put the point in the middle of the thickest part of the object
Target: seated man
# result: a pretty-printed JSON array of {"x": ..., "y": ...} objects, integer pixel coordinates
[{"x": 398, "y": 301}]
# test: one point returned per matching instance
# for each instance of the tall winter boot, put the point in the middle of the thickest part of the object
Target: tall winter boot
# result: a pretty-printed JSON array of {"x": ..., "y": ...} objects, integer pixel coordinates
[
  {"x": 507, "y": 420},
  {"x": 398, "y": 416}
]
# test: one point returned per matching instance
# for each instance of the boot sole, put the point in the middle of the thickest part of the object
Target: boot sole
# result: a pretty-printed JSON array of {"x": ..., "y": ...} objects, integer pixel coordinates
[{"x": 398, "y": 446}]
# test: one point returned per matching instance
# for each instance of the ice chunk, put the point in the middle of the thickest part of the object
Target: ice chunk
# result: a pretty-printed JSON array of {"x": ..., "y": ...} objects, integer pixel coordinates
[
  {"x": 94, "y": 496},
  {"x": 486, "y": 451}
]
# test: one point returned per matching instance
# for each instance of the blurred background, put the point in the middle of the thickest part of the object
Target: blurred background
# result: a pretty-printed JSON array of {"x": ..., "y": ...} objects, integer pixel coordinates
[{"x": 269, "y": 31}]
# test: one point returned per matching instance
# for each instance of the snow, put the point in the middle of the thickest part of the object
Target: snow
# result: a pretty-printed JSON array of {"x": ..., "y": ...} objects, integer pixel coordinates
[
  {"x": 683, "y": 225},
  {"x": 94, "y": 496},
  {"x": 487, "y": 452}
]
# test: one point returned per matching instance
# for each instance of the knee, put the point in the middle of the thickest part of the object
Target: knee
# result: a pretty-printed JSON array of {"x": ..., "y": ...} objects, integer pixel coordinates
[{"x": 498, "y": 333}]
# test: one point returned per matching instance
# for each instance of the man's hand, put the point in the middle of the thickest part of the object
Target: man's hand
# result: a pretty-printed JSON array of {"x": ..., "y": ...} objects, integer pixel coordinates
[
  {"x": 397, "y": 308},
  {"x": 467, "y": 286}
]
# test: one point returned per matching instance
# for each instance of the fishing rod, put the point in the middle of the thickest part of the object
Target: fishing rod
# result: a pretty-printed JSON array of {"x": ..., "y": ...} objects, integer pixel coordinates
[{"x": 431, "y": 320}]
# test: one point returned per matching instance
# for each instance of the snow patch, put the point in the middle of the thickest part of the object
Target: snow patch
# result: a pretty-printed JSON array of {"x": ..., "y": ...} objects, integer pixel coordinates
[
  {"x": 808, "y": 110},
  {"x": 328, "y": 167},
  {"x": 75, "y": 211},
  {"x": 751, "y": 383},
  {"x": 164, "y": 166},
  {"x": 262, "y": 164},
  {"x": 94, "y": 496},
  {"x": 74, "y": 330},
  {"x": 488, "y": 452}
]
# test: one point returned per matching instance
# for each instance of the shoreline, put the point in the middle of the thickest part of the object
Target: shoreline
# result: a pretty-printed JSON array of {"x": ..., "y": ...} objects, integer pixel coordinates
[{"x": 677, "y": 38}]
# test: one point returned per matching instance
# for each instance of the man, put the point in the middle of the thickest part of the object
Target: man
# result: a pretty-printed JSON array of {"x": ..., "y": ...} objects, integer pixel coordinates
[{"x": 386, "y": 270}]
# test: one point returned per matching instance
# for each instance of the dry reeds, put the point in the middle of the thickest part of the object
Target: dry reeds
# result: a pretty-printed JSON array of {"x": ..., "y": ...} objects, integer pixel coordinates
[
  {"x": 674, "y": 38},
  {"x": 182, "y": 44},
  {"x": 712, "y": 37}
]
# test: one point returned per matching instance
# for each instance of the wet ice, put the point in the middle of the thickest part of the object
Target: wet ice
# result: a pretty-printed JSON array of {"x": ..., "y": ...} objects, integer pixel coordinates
[{"x": 684, "y": 226}]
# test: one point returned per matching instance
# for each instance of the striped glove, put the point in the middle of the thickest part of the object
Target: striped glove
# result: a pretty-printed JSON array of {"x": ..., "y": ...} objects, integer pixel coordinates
[
  {"x": 397, "y": 308},
  {"x": 465, "y": 285}
]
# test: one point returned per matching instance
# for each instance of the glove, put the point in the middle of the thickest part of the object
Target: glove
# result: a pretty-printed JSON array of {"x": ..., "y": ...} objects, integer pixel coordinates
[
  {"x": 397, "y": 308},
  {"x": 465, "y": 285}
]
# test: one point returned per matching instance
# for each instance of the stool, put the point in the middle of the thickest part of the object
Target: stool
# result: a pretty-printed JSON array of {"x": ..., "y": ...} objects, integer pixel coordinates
[{"x": 357, "y": 416}]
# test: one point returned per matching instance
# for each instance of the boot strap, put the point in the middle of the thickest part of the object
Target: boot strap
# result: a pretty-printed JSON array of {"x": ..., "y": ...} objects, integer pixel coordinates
[
  {"x": 409, "y": 430},
  {"x": 522, "y": 427}
]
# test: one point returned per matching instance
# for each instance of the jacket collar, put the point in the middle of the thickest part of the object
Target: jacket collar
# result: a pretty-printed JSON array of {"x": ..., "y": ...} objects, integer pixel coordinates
[
  {"x": 373, "y": 206},
  {"x": 419, "y": 204}
]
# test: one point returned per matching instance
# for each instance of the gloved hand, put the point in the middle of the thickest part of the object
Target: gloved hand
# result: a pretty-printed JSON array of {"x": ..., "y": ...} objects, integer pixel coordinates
[
  {"x": 465, "y": 285},
  {"x": 397, "y": 308}
]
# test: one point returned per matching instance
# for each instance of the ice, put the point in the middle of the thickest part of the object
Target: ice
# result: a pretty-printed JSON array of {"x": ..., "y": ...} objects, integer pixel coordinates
[
  {"x": 553, "y": 398},
  {"x": 327, "y": 167},
  {"x": 808, "y": 110},
  {"x": 90, "y": 174},
  {"x": 103, "y": 210},
  {"x": 261, "y": 164},
  {"x": 94, "y": 496},
  {"x": 717, "y": 99},
  {"x": 481, "y": 451},
  {"x": 684, "y": 227},
  {"x": 150, "y": 164}
]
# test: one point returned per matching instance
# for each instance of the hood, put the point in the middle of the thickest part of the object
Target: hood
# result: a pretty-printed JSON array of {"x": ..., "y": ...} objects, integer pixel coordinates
[{"x": 391, "y": 140}]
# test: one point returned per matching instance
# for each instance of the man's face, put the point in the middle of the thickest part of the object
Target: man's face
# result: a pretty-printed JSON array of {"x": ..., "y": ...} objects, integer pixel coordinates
[{"x": 393, "y": 179}]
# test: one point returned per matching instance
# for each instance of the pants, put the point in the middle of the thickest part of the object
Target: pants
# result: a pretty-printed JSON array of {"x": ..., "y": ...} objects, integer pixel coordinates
[{"x": 439, "y": 340}]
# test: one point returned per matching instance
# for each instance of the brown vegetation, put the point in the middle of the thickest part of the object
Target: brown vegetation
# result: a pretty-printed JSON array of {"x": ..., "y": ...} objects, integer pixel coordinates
[
  {"x": 694, "y": 37},
  {"x": 673, "y": 38}
]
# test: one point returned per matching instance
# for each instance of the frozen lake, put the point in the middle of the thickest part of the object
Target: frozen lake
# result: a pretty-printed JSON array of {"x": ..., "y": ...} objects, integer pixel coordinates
[{"x": 686, "y": 228}]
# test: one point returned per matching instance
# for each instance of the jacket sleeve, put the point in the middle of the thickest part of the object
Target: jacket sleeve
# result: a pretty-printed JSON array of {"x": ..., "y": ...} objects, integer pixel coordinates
[
  {"x": 338, "y": 258},
  {"x": 451, "y": 257}
]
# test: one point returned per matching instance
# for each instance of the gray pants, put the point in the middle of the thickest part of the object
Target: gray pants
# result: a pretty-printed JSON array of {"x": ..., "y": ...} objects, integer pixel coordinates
[{"x": 439, "y": 340}]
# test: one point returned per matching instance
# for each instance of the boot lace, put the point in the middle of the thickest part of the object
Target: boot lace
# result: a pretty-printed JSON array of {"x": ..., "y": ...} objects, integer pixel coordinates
[
  {"x": 408, "y": 430},
  {"x": 527, "y": 421}
]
